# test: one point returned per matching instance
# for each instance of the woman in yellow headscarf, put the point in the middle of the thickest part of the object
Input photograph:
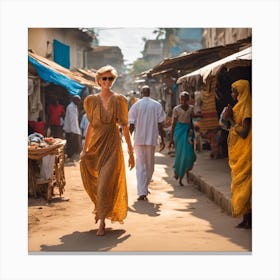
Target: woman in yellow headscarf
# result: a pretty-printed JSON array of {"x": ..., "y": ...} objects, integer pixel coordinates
[{"x": 240, "y": 151}]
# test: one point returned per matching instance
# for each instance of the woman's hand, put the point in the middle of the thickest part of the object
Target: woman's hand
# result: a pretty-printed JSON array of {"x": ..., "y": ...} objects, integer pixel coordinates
[
  {"x": 82, "y": 154},
  {"x": 131, "y": 161},
  {"x": 228, "y": 114}
]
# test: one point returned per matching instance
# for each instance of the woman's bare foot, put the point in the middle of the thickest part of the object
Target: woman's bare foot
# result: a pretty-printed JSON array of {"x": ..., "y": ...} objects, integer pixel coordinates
[
  {"x": 175, "y": 176},
  {"x": 101, "y": 229}
]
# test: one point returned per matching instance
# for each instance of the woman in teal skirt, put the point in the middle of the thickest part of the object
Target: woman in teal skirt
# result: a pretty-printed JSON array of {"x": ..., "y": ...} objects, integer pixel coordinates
[{"x": 182, "y": 136}]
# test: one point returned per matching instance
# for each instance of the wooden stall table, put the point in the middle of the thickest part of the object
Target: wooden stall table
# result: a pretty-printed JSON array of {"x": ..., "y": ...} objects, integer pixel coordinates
[{"x": 36, "y": 184}]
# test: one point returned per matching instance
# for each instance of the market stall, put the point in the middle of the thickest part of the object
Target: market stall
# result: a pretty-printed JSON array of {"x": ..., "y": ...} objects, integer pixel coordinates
[
  {"x": 45, "y": 166},
  {"x": 216, "y": 79},
  {"x": 47, "y": 79}
]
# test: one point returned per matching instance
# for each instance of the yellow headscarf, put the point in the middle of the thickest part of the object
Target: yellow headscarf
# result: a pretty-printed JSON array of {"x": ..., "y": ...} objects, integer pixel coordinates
[{"x": 243, "y": 108}]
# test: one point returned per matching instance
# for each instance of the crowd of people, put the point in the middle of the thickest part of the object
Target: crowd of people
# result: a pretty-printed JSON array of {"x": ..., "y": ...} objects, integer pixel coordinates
[{"x": 93, "y": 137}]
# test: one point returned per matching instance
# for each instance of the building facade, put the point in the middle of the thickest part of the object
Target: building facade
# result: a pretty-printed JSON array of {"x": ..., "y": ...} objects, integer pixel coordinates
[
  {"x": 213, "y": 37},
  {"x": 66, "y": 46},
  {"x": 153, "y": 52},
  {"x": 103, "y": 55}
]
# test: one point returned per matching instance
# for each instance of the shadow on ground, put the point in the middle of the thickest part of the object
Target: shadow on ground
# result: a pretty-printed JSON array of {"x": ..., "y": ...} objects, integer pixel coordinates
[
  {"x": 40, "y": 201},
  {"x": 221, "y": 223},
  {"x": 88, "y": 241},
  {"x": 146, "y": 208}
]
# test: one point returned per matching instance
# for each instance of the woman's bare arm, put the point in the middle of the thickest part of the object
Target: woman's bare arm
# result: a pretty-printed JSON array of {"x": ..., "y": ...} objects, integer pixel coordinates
[
  {"x": 174, "y": 121},
  {"x": 131, "y": 162},
  {"x": 244, "y": 129}
]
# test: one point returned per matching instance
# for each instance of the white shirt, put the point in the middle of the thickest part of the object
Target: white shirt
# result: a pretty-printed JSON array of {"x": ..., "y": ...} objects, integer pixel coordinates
[
  {"x": 146, "y": 114},
  {"x": 71, "y": 121},
  {"x": 84, "y": 124}
]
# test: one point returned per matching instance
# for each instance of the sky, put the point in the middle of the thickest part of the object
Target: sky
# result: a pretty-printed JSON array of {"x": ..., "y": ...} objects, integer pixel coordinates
[{"x": 128, "y": 39}]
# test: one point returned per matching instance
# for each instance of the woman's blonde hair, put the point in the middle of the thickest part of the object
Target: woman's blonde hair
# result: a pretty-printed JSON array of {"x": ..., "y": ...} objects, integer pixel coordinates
[{"x": 104, "y": 69}]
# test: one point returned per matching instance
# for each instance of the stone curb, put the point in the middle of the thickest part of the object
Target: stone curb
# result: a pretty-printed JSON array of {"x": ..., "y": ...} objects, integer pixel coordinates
[{"x": 213, "y": 193}]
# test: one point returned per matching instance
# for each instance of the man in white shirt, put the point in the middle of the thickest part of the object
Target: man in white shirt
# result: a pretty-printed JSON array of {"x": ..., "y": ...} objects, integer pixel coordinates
[
  {"x": 72, "y": 128},
  {"x": 146, "y": 118}
]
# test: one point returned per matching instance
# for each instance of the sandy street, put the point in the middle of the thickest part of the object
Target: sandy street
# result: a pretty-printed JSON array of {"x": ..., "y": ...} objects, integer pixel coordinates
[{"x": 174, "y": 219}]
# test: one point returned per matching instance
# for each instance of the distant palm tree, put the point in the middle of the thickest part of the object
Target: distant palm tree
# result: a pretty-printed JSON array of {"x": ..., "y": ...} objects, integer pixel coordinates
[{"x": 168, "y": 33}]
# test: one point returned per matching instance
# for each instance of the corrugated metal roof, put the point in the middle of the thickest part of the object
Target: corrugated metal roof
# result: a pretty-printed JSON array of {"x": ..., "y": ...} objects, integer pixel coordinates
[
  {"x": 88, "y": 74},
  {"x": 212, "y": 68},
  {"x": 194, "y": 60}
]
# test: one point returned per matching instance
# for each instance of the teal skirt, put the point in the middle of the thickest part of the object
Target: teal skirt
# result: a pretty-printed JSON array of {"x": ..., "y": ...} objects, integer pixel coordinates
[{"x": 185, "y": 155}]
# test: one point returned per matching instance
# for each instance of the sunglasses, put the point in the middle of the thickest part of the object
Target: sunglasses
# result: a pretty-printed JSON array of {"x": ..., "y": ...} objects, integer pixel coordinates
[{"x": 109, "y": 78}]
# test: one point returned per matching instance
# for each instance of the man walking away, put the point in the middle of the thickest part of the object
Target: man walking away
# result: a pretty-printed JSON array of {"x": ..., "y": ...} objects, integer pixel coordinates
[{"x": 146, "y": 117}]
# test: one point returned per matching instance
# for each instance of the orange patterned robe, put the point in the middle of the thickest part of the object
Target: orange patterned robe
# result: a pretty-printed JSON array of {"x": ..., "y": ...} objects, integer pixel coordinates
[{"x": 103, "y": 168}]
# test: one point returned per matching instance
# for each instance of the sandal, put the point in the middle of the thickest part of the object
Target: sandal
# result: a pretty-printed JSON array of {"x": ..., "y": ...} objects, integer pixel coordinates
[{"x": 142, "y": 197}]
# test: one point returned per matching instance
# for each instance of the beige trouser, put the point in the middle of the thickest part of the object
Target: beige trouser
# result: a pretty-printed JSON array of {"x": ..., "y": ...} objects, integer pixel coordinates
[
  {"x": 73, "y": 144},
  {"x": 145, "y": 160}
]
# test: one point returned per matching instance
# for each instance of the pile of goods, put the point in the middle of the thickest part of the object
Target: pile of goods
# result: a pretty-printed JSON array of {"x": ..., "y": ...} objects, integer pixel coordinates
[
  {"x": 37, "y": 140},
  {"x": 49, "y": 140}
]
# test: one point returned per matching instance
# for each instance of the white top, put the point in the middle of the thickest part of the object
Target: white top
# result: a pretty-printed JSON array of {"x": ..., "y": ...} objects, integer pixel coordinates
[
  {"x": 71, "y": 120},
  {"x": 146, "y": 114},
  {"x": 182, "y": 115}
]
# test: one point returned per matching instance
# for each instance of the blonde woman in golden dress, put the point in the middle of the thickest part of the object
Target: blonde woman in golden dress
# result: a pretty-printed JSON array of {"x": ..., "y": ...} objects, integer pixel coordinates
[
  {"x": 102, "y": 162},
  {"x": 240, "y": 151}
]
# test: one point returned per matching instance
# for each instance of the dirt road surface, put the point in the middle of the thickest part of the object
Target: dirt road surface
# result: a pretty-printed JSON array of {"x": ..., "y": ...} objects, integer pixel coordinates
[{"x": 174, "y": 219}]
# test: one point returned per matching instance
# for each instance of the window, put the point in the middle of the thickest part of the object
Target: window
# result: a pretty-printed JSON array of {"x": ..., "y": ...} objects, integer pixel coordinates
[{"x": 61, "y": 54}]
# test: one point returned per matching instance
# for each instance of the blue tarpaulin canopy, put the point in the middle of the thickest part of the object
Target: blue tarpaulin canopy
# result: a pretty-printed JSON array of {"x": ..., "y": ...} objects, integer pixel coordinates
[{"x": 51, "y": 75}]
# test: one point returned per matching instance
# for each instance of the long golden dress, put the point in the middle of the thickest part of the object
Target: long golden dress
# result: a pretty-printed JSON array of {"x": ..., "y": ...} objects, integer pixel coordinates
[
  {"x": 103, "y": 168},
  {"x": 240, "y": 153}
]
